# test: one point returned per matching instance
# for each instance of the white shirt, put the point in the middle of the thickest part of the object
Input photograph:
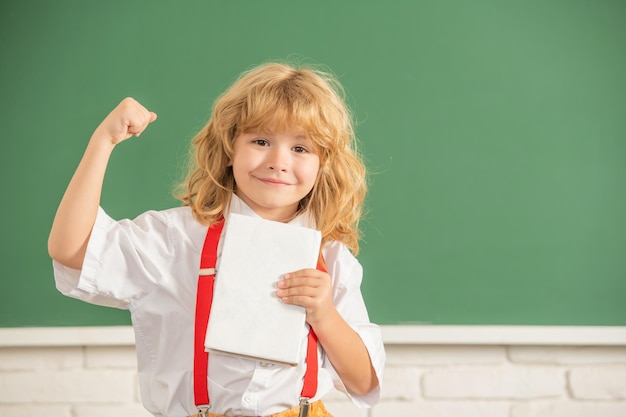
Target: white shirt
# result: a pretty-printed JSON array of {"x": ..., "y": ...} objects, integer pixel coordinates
[{"x": 150, "y": 266}]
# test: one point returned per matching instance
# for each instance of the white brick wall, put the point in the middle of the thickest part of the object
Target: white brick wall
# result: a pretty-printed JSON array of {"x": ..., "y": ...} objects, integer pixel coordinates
[
  {"x": 68, "y": 382},
  {"x": 70, "y": 378}
]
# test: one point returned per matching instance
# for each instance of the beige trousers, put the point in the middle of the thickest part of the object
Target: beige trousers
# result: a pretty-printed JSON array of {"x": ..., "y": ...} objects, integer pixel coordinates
[{"x": 316, "y": 409}]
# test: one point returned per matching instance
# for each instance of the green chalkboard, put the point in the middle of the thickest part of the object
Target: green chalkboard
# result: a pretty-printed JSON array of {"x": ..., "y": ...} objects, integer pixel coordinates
[{"x": 494, "y": 132}]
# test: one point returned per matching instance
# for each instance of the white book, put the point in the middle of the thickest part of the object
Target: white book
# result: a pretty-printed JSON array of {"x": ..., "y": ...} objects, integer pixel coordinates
[{"x": 247, "y": 318}]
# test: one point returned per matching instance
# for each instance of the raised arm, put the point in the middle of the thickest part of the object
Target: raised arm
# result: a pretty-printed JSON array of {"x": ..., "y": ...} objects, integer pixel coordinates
[{"x": 77, "y": 211}]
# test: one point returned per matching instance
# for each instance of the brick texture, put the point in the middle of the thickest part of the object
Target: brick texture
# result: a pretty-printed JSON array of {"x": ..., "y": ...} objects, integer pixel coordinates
[
  {"x": 505, "y": 382},
  {"x": 599, "y": 383},
  {"x": 420, "y": 380},
  {"x": 569, "y": 409}
]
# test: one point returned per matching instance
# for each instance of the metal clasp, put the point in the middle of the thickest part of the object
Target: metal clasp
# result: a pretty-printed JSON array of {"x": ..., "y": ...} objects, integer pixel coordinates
[
  {"x": 304, "y": 407},
  {"x": 206, "y": 272},
  {"x": 203, "y": 411}
]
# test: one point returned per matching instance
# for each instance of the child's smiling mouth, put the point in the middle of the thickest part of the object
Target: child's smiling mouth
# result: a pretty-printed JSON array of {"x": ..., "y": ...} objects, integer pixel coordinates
[{"x": 273, "y": 182}]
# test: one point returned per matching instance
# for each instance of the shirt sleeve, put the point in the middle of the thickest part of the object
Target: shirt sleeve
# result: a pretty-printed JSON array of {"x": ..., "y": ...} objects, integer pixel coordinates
[
  {"x": 347, "y": 274},
  {"x": 122, "y": 261}
]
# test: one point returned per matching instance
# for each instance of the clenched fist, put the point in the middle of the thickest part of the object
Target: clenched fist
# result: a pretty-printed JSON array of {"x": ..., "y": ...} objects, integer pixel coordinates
[{"x": 128, "y": 119}]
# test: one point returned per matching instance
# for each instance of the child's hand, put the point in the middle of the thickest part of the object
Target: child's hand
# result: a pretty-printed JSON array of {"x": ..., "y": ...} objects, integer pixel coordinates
[
  {"x": 311, "y": 289},
  {"x": 128, "y": 119}
]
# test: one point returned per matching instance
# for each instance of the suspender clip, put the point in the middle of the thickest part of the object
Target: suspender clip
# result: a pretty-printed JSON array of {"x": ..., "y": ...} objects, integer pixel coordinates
[
  {"x": 206, "y": 272},
  {"x": 203, "y": 411},
  {"x": 304, "y": 407}
]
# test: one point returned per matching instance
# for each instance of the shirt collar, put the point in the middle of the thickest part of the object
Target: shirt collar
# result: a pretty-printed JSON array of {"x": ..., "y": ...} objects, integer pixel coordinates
[{"x": 238, "y": 206}]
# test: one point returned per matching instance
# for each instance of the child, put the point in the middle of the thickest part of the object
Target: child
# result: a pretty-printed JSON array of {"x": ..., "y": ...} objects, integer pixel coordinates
[{"x": 279, "y": 145}]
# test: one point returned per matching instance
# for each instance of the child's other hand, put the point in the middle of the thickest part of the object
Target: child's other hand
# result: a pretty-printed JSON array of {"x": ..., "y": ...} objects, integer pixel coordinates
[
  {"x": 128, "y": 119},
  {"x": 311, "y": 289}
]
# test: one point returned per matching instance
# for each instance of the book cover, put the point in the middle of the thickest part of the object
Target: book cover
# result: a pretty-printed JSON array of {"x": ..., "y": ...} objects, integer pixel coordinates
[{"x": 247, "y": 318}]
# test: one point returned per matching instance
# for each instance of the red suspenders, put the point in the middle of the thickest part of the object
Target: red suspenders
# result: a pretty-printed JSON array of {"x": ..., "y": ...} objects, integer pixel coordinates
[{"x": 204, "y": 299}]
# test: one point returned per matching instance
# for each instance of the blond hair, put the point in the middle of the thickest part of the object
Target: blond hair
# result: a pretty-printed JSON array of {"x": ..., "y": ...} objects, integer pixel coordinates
[{"x": 278, "y": 97}]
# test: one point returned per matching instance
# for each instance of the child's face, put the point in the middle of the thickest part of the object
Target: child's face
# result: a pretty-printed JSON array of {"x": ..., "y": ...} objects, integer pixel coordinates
[{"x": 274, "y": 171}]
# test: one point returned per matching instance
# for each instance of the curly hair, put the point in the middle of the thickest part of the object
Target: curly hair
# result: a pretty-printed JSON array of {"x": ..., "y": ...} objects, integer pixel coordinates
[{"x": 277, "y": 97}]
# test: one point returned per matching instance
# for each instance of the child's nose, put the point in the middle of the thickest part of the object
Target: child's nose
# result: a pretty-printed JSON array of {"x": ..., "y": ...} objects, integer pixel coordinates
[{"x": 278, "y": 160}]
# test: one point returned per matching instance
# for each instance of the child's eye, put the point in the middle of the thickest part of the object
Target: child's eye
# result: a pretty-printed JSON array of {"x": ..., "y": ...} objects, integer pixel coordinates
[
  {"x": 261, "y": 142},
  {"x": 300, "y": 149}
]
